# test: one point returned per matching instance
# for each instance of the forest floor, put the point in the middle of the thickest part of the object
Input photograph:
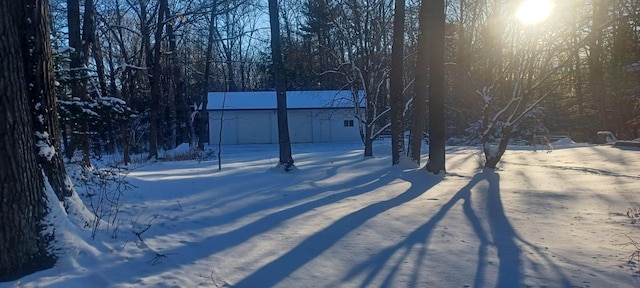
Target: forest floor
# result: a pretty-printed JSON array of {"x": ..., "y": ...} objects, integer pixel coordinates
[{"x": 557, "y": 218}]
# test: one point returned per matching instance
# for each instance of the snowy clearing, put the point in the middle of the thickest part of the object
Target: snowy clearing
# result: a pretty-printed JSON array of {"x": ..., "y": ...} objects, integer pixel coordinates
[{"x": 544, "y": 219}]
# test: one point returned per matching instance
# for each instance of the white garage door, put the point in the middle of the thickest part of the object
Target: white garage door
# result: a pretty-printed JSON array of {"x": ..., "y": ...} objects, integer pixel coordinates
[
  {"x": 300, "y": 126},
  {"x": 254, "y": 127}
]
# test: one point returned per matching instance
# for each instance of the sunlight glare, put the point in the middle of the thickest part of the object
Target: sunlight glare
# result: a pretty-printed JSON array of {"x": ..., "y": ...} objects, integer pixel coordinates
[{"x": 534, "y": 11}]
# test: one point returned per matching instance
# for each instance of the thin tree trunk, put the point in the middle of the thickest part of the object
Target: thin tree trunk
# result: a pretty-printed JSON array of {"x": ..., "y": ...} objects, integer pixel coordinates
[
  {"x": 126, "y": 80},
  {"x": 224, "y": 101},
  {"x": 281, "y": 86},
  {"x": 104, "y": 92},
  {"x": 204, "y": 113},
  {"x": 596, "y": 74},
  {"x": 102, "y": 76},
  {"x": 421, "y": 90},
  {"x": 81, "y": 43},
  {"x": 177, "y": 83},
  {"x": 396, "y": 84},
  {"x": 156, "y": 83},
  {"x": 231, "y": 82}
]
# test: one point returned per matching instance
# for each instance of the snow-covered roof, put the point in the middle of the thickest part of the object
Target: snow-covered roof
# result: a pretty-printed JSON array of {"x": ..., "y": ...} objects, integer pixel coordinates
[{"x": 266, "y": 100}]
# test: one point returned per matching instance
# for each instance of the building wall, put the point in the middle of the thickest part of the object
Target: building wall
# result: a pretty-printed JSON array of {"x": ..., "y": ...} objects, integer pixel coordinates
[{"x": 305, "y": 126}]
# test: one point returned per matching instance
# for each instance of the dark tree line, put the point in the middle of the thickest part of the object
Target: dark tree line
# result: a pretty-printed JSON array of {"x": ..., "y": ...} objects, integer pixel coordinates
[{"x": 162, "y": 57}]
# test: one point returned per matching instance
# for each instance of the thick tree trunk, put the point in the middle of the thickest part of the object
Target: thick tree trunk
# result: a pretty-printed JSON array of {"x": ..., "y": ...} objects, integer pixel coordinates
[
  {"x": 41, "y": 91},
  {"x": 396, "y": 84},
  {"x": 281, "y": 87},
  {"x": 437, "y": 89},
  {"x": 23, "y": 205}
]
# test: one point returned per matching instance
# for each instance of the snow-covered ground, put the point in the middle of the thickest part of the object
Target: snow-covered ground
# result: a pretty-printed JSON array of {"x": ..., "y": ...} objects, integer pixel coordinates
[{"x": 544, "y": 219}]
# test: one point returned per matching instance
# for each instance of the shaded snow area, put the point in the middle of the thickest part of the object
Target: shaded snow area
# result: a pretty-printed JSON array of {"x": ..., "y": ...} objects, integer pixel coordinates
[{"x": 544, "y": 219}]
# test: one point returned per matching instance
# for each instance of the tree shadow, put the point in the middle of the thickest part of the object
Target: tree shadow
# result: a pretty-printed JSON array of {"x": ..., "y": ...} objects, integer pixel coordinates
[
  {"x": 500, "y": 235},
  {"x": 279, "y": 269},
  {"x": 220, "y": 242}
]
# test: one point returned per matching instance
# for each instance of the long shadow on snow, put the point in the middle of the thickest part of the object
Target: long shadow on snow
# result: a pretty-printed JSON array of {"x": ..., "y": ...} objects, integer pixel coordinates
[
  {"x": 221, "y": 242},
  {"x": 502, "y": 233},
  {"x": 292, "y": 204},
  {"x": 279, "y": 269}
]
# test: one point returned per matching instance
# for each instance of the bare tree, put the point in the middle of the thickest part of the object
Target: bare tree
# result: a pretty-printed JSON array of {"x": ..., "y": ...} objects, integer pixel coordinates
[
  {"x": 156, "y": 80},
  {"x": 80, "y": 39},
  {"x": 421, "y": 90},
  {"x": 203, "y": 113},
  {"x": 596, "y": 73},
  {"x": 396, "y": 85},
  {"x": 435, "y": 25},
  {"x": 281, "y": 87}
]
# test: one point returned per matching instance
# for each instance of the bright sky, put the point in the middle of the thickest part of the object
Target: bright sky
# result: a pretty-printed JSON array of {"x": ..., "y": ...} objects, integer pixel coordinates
[{"x": 534, "y": 11}]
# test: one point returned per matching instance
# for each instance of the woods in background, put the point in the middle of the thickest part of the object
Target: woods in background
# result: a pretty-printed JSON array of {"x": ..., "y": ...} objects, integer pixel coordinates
[{"x": 131, "y": 73}]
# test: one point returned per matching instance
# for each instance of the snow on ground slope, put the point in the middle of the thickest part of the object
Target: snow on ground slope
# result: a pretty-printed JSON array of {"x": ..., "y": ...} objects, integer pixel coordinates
[{"x": 341, "y": 220}]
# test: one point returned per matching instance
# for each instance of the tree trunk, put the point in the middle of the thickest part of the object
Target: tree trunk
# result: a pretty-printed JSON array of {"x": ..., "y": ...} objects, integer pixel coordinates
[
  {"x": 156, "y": 83},
  {"x": 23, "y": 248},
  {"x": 177, "y": 83},
  {"x": 396, "y": 85},
  {"x": 80, "y": 42},
  {"x": 228, "y": 52},
  {"x": 41, "y": 92},
  {"x": 125, "y": 80},
  {"x": 437, "y": 89},
  {"x": 204, "y": 113},
  {"x": 281, "y": 87},
  {"x": 596, "y": 74},
  {"x": 421, "y": 90},
  {"x": 104, "y": 92},
  {"x": 493, "y": 156}
]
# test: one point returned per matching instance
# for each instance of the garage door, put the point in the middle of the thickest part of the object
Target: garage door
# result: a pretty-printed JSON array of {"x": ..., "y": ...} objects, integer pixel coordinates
[
  {"x": 300, "y": 126},
  {"x": 254, "y": 127}
]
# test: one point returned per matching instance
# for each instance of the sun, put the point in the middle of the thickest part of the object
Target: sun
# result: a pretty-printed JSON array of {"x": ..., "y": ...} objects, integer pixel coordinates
[{"x": 534, "y": 11}]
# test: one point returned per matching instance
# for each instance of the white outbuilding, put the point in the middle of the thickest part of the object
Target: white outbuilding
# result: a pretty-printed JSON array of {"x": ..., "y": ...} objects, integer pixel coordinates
[{"x": 314, "y": 116}]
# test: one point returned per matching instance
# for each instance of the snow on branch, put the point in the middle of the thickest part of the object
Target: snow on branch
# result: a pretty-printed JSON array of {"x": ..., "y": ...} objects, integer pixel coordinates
[{"x": 377, "y": 133}]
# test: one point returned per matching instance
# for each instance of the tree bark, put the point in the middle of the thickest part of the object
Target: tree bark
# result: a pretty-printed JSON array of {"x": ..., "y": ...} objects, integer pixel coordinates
[
  {"x": 421, "y": 90},
  {"x": 80, "y": 39},
  {"x": 156, "y": 82},
  {"x": 437, "y": 89},
  {"x": 281, "y": 87},
  {"x": 177, "y": 82},
  {"x": 23, "y": 205},
  {"x": 126, "y": 78},
  {"x": 41, "y": 92},
  {"x": 596, "y": 74},
  {"x": 396, "y": 85},
  {"x": 204, "y": 113}
]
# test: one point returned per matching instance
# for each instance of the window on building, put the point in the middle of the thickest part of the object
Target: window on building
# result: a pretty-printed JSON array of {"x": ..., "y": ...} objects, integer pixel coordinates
[{"x": 348, "y": 123}]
